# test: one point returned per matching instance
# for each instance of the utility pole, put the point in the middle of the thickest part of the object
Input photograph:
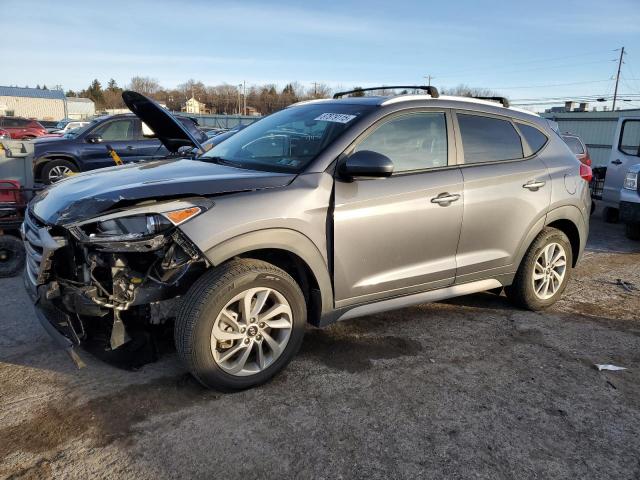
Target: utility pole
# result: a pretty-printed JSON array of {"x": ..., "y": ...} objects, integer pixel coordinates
[
  {"x": 239, "y": 99},
  {"x": 315, "y": 89},
  {"x": 615, "y": 92},
  {"x": 244, "y": 97},
  {"x": 428, "y": 79}
]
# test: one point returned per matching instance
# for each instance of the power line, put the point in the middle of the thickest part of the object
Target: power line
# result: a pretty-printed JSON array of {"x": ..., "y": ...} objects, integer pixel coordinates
[
  {"x": 526, "y": 62},
  {"x": 551, "y": 85}
]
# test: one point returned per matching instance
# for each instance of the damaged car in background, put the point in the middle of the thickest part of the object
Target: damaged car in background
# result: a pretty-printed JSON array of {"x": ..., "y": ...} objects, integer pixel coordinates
[{"x": 326, "y": 210}]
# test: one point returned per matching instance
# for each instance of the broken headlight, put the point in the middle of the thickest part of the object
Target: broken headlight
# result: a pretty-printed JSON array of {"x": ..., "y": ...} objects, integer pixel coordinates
[
  {"x": 136, "y": 226},
  {"x": 139, "y": 226}
]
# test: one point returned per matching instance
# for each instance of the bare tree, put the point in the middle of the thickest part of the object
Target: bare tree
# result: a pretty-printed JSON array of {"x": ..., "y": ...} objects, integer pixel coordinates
[
  {"x": 146, "y": 85},
  {"x": 463, "y": 90},
  {"x": 318, "y": 90}
]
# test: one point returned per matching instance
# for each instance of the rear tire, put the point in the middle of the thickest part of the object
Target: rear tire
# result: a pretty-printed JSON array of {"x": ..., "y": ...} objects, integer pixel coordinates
[
  {"x": 632, "y": 230},
  {"x": 223, "y": 331},
  {"x": 55, "y": 170},
  {"x": 541, "y": 277},
  {"x": 12, "y": 256},
  {"x": 610, "y": 215}
]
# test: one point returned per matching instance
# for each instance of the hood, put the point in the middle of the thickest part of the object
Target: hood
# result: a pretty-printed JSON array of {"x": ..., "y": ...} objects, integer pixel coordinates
[
  {"x": 89, "y": 194},
  {"x": 172, "y": 132},
  {"x": 47, "y": 139}
]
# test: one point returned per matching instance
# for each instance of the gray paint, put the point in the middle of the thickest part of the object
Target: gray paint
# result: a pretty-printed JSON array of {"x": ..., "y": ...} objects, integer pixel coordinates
[{"x": 381, "y": 243}]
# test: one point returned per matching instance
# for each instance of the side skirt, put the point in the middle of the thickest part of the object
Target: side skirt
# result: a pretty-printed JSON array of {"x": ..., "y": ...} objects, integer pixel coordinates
[{"x": 416, "y": 299}]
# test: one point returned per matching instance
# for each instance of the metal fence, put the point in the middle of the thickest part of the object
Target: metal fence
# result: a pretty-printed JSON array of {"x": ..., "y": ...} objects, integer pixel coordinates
[
  {"x": 220, "y": 121},
  {"x": 597, "y": 130}
]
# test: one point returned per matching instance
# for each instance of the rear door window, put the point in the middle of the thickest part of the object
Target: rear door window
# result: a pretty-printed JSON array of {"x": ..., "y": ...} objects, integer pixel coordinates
[
  {"x": 630, "y": 138},
  {"x": 413, "y": 142},
  {"x": 11, "y": 122},
  {"x": 488, "y": 139}
]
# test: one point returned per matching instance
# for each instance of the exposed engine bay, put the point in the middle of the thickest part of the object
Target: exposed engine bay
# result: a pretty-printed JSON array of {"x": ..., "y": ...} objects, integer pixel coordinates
[{"x": 117, "y": 278}]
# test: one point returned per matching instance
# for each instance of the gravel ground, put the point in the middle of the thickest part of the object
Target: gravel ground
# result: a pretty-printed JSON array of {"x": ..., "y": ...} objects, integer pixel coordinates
[{"x": 466, "y": 388}]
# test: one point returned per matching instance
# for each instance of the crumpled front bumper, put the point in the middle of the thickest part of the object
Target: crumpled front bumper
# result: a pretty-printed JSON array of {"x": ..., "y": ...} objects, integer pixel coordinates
[
  {"x": 55, "y": 322},
  {"x": 39, "y": 246}
]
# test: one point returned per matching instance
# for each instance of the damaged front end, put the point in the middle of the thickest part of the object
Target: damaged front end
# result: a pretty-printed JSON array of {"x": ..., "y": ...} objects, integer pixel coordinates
[{"x": 111, "y": 281}]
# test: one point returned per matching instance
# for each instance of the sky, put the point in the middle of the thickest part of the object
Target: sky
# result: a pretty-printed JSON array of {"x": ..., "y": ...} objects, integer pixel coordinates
[{"x": 543, "y": 51}]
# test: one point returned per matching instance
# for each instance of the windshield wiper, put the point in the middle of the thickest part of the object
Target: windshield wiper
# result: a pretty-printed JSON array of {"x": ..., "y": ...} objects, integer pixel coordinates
[{"x": 220, "y": 161}]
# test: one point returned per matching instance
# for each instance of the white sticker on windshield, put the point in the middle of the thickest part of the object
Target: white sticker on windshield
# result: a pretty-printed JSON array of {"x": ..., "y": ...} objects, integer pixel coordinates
[{"x": 335, "y": 117}]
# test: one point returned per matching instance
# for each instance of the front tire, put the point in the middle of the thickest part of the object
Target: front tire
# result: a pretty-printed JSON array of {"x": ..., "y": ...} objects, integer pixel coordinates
[
  {"x": 55, "y": 170},
  {"x": 632, "y": 230},
  {"x": 240, "y": 324},
  {"x": 610, "y": 215},
  {"x": 12, "y": 256},
  {"x": 544, "y": 271}
]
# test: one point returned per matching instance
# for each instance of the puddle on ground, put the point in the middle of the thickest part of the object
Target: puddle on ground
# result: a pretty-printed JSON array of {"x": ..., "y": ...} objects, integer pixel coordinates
[
  {"x": 353, "y": 353},
  {"x": 105, "y": 418}
]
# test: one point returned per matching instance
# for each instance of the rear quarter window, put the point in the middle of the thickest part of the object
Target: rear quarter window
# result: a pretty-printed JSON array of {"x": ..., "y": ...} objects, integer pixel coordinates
[
  {"x": 574, "y": 144},
  {"x": 534, "y": 137},
  {"x": 488, "y": 139}
]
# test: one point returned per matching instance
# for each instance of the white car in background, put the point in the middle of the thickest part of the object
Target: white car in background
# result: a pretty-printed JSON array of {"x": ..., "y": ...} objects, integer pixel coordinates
[
  {"x": 621, "y": 194},
  {"x": 71, "y": 126}
]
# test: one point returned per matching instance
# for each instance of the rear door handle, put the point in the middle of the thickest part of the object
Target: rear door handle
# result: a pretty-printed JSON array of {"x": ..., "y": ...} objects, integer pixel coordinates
[
  {"x": 616, "y": 162},
  {"x": 534, "y": 185},
  {"x": 130, "y": 147},
  {"x": 445, "y": 199}
]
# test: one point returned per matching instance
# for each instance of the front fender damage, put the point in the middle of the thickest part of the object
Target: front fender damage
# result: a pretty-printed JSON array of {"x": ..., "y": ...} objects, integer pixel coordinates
[{"x": 118, "y": 293}]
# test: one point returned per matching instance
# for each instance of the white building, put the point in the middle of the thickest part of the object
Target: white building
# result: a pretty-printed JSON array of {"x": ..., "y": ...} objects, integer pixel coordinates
[
  {"x": 43, "y": 104},
  {"x": 194, "y": 106},
  {"x": 32, "y": 103},
  {"x": 80, "y": 108}
]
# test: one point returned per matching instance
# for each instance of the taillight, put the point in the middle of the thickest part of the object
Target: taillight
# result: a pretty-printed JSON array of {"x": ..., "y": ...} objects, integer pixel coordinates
[
  {"x": 587, "y": 159},
  {"x": 585, "y": 172}
]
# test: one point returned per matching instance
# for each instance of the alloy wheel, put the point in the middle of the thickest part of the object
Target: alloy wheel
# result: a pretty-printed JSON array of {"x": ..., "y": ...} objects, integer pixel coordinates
[
  {"x": 58, "y": 173},
  {"x": 251, "y": 331},
  {"x": 549, "y": 271}
]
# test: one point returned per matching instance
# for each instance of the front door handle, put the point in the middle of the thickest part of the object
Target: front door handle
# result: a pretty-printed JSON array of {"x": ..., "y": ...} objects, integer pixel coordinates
[
  {"x": 445, "y": 199},
  {"x": 130, "y": 147},
  {"x": 534, "y": 185},
  {"x": 616, "y": 162}
]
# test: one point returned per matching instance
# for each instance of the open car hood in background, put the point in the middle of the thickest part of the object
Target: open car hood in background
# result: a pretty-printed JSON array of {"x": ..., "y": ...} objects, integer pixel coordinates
[{"x": 168, "y": 129}]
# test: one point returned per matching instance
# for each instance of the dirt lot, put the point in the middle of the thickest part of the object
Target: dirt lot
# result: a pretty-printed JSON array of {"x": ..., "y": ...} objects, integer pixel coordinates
[{"x": 467, "y": 388}]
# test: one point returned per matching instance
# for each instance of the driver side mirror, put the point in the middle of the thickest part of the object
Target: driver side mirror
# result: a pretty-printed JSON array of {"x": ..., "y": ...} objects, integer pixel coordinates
[
  {"x": 367, "y": 164},
  {"x": 93, "y": 138}
]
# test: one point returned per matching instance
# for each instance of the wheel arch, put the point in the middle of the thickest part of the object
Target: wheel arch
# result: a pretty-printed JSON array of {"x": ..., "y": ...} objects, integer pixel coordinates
[
  {"x": 567, "y": 219},
  {"x": 41, "y": 162},
  {"x": 570, "y": 221},
  {"x": 293, "y": 252}
]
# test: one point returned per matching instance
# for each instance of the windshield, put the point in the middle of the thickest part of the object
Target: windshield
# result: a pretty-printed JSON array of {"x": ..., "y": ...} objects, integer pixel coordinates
[{"x": 289, "y": 139}]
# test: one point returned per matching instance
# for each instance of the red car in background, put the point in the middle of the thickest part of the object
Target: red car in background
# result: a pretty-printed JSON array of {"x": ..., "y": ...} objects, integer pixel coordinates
[
  {"x": 22, "y": 128},
  {"x": 578, "y": 147},
  {"x": 4, "y": 135}
]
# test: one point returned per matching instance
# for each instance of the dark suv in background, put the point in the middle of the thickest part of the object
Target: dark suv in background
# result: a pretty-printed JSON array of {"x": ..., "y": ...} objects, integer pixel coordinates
[
  {"x": 88, "y": 148},
  {"x": 22, "y": 128}
]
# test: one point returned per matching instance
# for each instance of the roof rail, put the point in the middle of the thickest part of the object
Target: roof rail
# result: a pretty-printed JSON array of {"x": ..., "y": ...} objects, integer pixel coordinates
[
  {"x": 503, "y": 100},
  {"x": 432, "y": 91}
]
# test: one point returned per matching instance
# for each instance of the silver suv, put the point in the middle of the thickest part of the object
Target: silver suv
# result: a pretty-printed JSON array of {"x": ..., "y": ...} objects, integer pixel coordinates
[{"x": 324, "y": 211}]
